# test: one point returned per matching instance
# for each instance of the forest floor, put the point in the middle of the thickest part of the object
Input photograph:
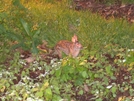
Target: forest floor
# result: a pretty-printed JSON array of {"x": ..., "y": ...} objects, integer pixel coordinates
[{"x": 116, "y": 10}]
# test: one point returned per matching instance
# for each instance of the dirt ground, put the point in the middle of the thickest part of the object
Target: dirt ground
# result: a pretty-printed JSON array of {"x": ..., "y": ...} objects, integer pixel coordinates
[{"x": 117, "y": 10}]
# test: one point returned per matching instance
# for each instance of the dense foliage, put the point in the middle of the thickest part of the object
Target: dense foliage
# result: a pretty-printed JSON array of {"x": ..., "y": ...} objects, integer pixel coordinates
[{"x": 102, "y": 72}]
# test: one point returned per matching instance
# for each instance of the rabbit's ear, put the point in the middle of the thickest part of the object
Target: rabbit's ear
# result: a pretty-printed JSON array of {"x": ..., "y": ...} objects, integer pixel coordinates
[{"x": 74, "y": 38}]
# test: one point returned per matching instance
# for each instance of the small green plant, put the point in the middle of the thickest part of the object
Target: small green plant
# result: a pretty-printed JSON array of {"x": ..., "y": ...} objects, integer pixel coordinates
[{"x": 27, "y": 40}]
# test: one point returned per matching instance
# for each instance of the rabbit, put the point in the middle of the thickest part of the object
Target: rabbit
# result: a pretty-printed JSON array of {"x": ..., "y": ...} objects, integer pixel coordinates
[{"x": 69, "y": 48}]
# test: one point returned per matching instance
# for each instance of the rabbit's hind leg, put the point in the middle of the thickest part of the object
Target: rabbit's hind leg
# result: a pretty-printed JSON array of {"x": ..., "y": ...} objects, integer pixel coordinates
[{"x": 59, "y": 53}]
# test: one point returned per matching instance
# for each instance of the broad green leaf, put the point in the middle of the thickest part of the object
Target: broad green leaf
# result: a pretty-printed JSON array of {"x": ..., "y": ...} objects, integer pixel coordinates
[
  {"x": 64, "y": 77},
  {"x": 108, "y": 69},
  {"x": 48, "y": 94},
  {"x": 114, "y": 89},
  {"x": 84, "y": 74},
  {"x": 56, "y": 97},
  {"x": 79, "y": 81},
  {"x": 39, "y": 94},
  {"x": 58, "y": 73},
  {"x": 23, "y": 73},
  {"x": 81, "y": 92},
  {"x": 57, "y": 89},
  {"x": 25, "y": 26},
  {"x": 96, "y": 75},
  {"x": 7, "y": 85},
  {"x": 128, "y": 99},
  {"x": 99, "y": 99}
]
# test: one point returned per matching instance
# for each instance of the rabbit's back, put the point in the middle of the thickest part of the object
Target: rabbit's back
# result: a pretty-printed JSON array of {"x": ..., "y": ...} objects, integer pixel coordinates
[{"x": 64, "y": 46}]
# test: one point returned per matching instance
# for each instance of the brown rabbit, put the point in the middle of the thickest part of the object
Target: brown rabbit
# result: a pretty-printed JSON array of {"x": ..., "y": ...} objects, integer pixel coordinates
[{"x": 69, "y": 48}]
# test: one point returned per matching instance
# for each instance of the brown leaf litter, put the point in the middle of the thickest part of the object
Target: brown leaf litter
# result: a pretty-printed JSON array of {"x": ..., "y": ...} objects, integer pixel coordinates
[{"x": 116, "y": 10}]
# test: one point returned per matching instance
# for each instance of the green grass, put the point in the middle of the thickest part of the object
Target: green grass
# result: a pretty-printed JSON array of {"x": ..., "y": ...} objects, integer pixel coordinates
[
  {"x": 56, "y": 24},
  {"x": 56, "y": 21}
]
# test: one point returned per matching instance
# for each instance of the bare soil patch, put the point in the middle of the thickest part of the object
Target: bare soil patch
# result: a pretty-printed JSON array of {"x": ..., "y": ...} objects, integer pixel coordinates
[{"x": 116, "y": 10}]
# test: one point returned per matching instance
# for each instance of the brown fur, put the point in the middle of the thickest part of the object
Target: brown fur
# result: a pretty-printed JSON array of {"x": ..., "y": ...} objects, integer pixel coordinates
[{"x": 69, "y": 48}]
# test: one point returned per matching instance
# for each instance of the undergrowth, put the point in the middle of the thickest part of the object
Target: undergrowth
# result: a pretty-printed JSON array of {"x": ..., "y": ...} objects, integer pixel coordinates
[{"x": 107, "y": 53}]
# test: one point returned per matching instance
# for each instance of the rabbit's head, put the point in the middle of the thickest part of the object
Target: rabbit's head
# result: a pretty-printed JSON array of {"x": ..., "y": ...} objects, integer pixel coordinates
[{"x": 76, "y": 46}]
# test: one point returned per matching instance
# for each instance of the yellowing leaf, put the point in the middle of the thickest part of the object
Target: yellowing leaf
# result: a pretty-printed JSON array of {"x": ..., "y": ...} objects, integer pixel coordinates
[
  {"x": 35, "y": 27},
  {"x": 64, "y": 62},
  {"x": 43, "y": 50},
  {"x": 35, "y": 89},
  {"x": 131, "y": 64},
  {"x": 121, "y": 98},
  {"x": 83, "y": 63},
  {"x": 46, "y": 84},
  {"x": 121, "y": 49},
  {"x": 92, "y": 57},
  {"x": 129, "y": 69},
  {"x": 2, "y": 89},
  {"x": 25, "y": 95}
]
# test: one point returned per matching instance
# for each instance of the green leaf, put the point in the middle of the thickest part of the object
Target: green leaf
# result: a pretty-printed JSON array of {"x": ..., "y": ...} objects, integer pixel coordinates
[
  {"x": 14, "y": 36},
  {"x": 58, "y": 73},
  {"x": 25, "y": 26},
  {"x": 79, "y": 81},
  {"x": 17, "y": 46},
  {"x": 96, "y": 75},
  {"x": 48, "y": 94},
  {"x": 7, "y": 85},
  {"x": 81, "y": 92},
  {"x": 64, "y": 77},
  {"x": 114, "y": 89},
  {"x": 34, "y": 48},
  {"x": 23, "y": 73},
  {"x": 128, "y": 99},
  {"x": 18, "y": 4},
  {"x": 108, "y": 69},
  {"x": 39, "y": 94},
  {"x": 2, "y": 29},
  {"x": 84, "y": 74},
  {"x": 56, "y": 98},
  {"x": 57, "y": 89},
  {"x": 36, "y": 33},
  {"x": 99, "y": 99}
]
